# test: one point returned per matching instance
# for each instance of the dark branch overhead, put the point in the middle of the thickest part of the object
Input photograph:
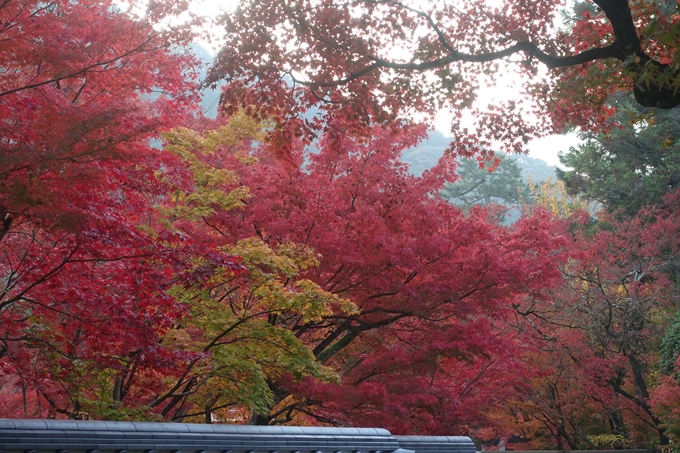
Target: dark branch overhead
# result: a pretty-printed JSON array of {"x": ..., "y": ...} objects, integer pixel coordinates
[{"x": 626, "y": 48}]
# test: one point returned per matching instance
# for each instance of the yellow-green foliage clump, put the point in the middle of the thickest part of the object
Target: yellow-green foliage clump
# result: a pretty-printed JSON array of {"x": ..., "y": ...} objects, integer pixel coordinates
[
  {"x": 240, "y": 324},
  {"x": 214, "y": 187}
]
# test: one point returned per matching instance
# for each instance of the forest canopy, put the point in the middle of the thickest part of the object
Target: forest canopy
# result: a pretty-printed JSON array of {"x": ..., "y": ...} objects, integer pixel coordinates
[
  {"x": 281, "y": 264},
  {"x": 379, "y": 61}
]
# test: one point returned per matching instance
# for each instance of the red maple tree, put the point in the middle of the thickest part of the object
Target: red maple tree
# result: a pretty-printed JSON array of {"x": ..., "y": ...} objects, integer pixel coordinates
[
  {"x": 430, "y": 282},
  {"x": 377, "y": 62},
  {"x": 600, "y": 331},
  {"x": 85, "y": 87}
]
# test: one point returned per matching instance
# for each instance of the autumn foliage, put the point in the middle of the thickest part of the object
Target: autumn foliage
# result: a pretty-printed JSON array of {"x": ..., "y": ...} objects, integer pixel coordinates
[
  {"x": 279, "y": 264},
  {"x": 419, "y": 300}
]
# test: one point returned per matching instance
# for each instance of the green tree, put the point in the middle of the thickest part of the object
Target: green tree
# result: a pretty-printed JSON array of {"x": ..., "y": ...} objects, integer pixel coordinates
[
  {"x": 632, "y": 166},
  {"x": 485, "y": 184}
]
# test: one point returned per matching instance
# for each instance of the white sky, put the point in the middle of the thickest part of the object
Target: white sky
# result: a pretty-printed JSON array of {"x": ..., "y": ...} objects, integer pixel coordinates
[
  {"x": 544, "y": 148},
  {"x": 507, "y": 88},
  {"x": 547, "y": 148}
]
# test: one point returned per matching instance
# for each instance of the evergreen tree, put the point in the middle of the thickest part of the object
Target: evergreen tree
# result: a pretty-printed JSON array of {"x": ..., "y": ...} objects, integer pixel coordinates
[
  {"x": 485, "y": 185},
  {"x": 634, "y": 165}
]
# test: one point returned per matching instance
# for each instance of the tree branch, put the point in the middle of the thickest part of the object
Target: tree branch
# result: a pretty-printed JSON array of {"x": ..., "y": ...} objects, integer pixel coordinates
[
  {"x": 527, "y": 47},
  {"x": 84, "y": 70}
]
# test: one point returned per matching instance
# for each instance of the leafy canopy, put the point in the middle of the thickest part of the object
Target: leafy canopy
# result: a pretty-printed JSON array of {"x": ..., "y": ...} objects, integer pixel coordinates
[
  {"x": 636, "y": 164},
  {"x": 381, "y": 61}
]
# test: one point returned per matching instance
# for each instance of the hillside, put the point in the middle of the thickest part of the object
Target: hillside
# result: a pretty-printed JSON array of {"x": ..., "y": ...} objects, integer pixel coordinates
[{"x": 427, "y": 154}]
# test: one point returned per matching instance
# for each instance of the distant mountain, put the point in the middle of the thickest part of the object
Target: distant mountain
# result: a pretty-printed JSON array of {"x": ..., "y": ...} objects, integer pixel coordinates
[
  {"x": 535, "y": 170},
  {"x": 427, "y": 154}
]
